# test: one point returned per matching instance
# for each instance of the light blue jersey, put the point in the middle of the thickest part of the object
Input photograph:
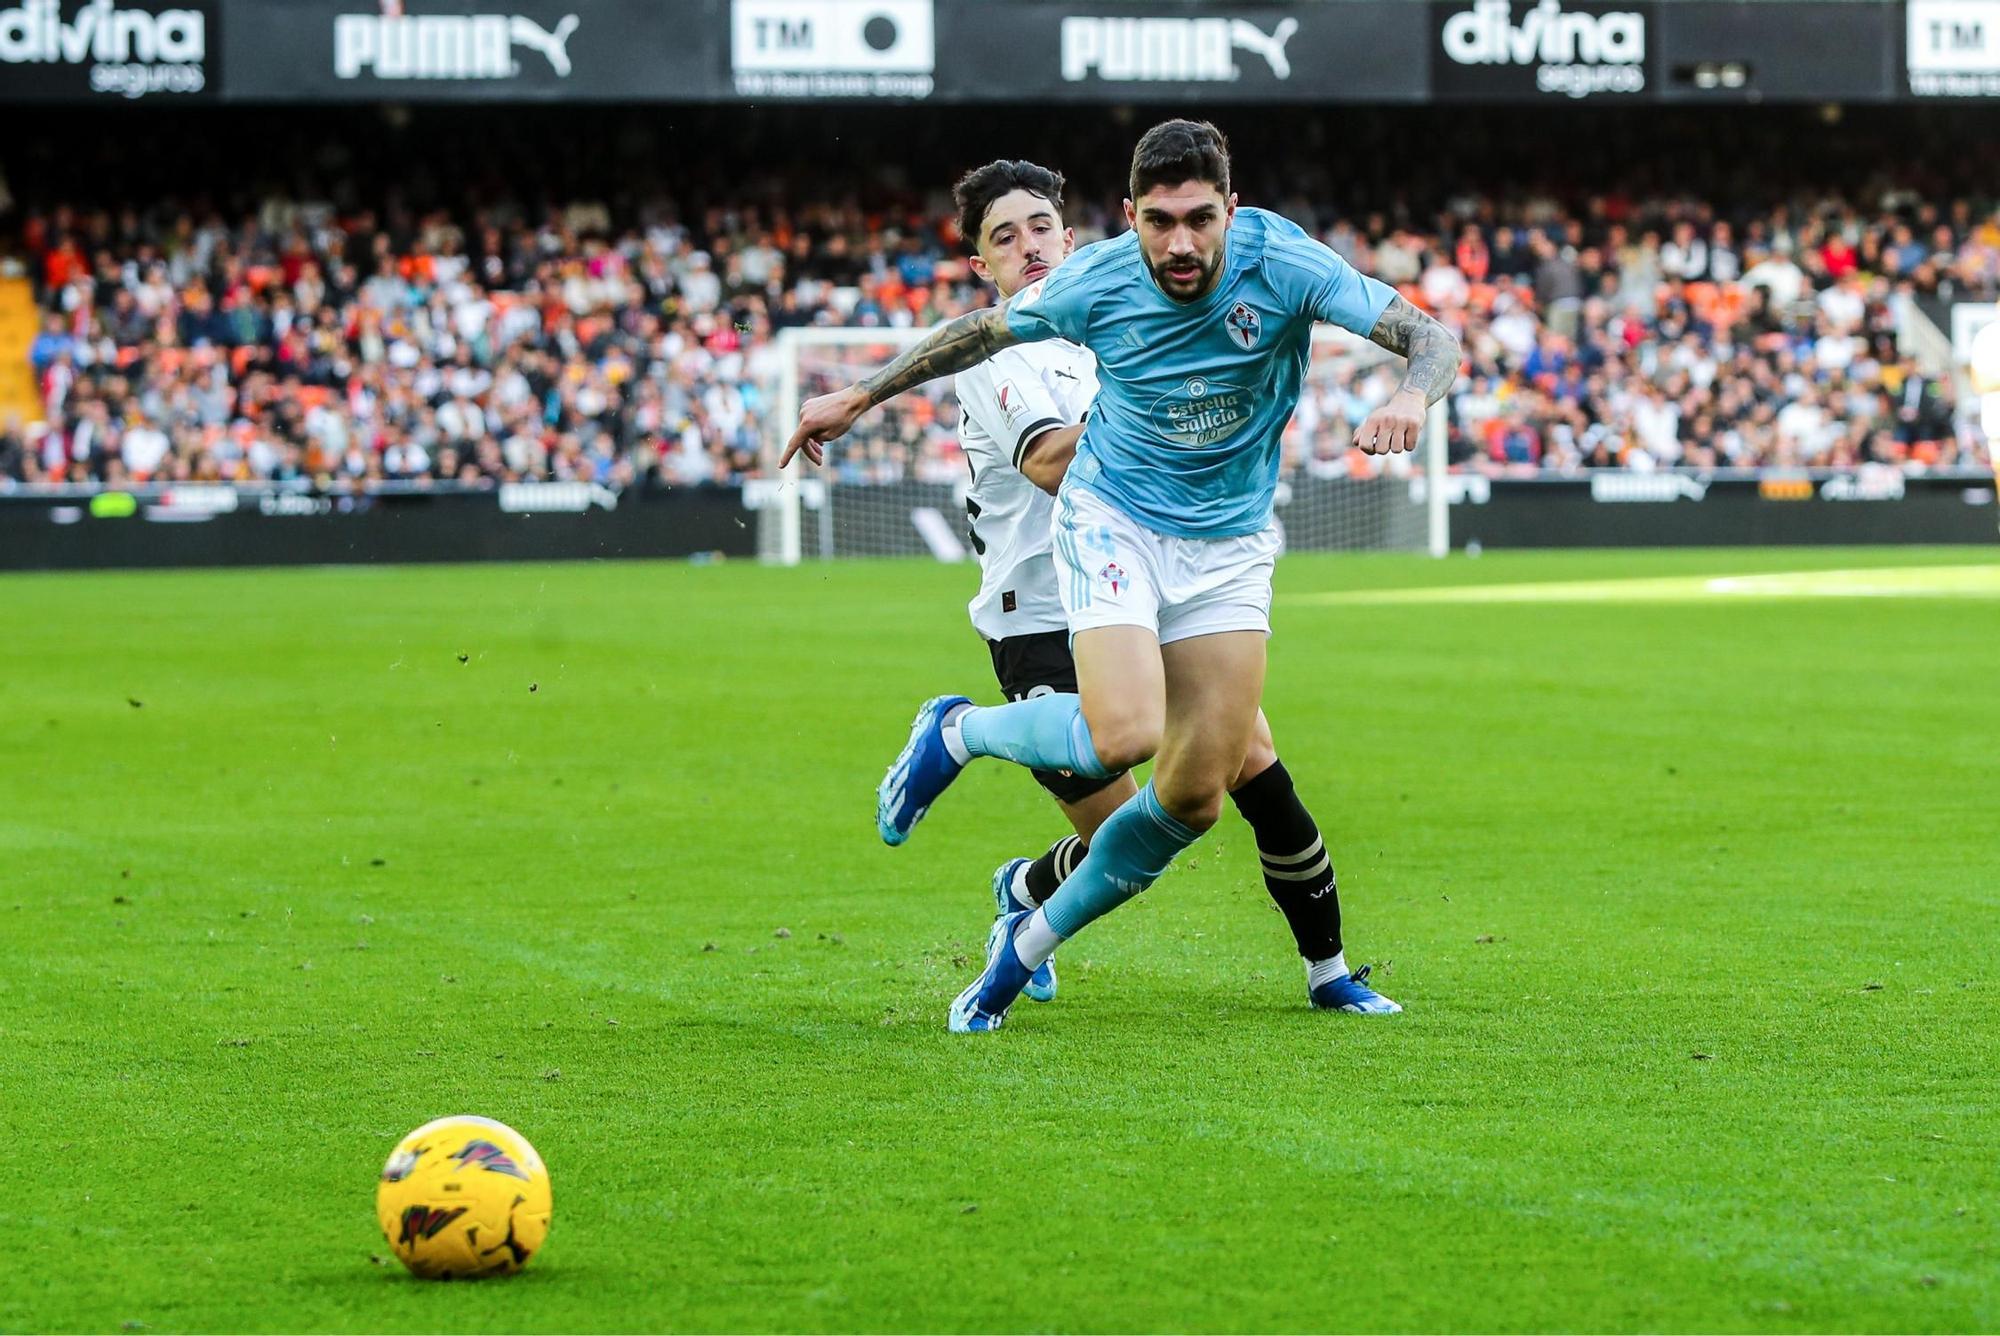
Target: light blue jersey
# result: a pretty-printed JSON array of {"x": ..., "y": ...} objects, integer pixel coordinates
[{"x": 1192, "y": 399}]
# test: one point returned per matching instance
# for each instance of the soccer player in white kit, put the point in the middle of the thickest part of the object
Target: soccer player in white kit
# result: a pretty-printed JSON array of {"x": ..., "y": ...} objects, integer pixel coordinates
[
  {"x": 1201, "y": 319},
  {"x": 1021, "y": 413}
]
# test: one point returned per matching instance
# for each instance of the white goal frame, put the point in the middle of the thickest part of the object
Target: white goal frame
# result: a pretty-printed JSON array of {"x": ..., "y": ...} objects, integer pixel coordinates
[{"x": 781, "y": 499}]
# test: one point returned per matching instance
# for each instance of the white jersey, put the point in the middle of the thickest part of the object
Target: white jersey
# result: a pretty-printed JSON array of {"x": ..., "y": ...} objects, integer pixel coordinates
[{"x": 1004, "y": 404}]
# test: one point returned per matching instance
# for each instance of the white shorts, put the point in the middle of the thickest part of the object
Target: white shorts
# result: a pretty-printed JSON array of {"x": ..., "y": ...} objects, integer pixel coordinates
[{"x": 1114, "y": 571}]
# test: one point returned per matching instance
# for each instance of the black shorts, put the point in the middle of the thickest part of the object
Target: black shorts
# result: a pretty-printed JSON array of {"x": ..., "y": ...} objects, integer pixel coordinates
[{"x": 1041, "y": 665}]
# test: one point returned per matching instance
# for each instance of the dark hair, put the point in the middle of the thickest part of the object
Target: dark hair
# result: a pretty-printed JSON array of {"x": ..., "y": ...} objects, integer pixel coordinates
[
  {"x": 978, "y": 188},
  {"x": 1176, "y": 151}
]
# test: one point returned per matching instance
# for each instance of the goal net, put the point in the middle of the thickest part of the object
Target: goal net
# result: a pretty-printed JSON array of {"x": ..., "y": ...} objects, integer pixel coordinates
[{"x": 895, "y": 485}]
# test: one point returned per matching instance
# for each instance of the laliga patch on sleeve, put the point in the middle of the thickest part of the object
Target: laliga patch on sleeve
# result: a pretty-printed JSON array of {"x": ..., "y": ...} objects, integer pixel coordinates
[
  {"x": 1029, "y": 295},
  {"x": 1011, "y": 403}
]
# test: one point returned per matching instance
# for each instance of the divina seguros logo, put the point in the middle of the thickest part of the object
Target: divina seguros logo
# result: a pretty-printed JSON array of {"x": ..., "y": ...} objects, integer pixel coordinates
[
  {"x": 1574, "y": 52},
  {"x": 131, "y": 52}
]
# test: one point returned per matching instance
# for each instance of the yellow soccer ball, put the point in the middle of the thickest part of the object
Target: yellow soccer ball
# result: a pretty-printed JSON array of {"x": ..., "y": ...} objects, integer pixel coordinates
[{"x": 464, "y": 1197}]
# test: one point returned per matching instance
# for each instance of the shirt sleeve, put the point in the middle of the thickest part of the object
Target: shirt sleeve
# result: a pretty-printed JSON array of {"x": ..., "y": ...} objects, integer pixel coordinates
[
  {"x": 1334, "y": 291},
  {"x": 1055, "y": 307},
  {"x": 1010, "y": 403}
]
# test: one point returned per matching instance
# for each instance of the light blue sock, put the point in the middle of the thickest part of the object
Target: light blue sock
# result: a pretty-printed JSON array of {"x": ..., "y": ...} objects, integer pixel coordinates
[
  {"x": 1127, "y": 854},
  {"x": 1041, "y": 732}
]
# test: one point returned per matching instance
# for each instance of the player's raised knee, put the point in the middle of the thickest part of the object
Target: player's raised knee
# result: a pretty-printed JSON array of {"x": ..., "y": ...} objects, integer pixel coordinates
[
  {"x": 1195, "y": 811},
  {"x": 1194, "y": 803},
  {"x": 1125, "y": 739}
]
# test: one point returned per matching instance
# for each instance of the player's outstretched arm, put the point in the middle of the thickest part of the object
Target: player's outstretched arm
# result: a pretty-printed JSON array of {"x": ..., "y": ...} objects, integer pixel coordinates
[
  {"x": 952, "y": 347},
  {"x": 1433, "y": 356}
]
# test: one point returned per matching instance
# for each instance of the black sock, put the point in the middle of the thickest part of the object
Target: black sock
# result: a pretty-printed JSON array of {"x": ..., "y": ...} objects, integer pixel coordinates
[
  {"x": 1048, "y": 872},
  {"x": 1297, "y": 871}
]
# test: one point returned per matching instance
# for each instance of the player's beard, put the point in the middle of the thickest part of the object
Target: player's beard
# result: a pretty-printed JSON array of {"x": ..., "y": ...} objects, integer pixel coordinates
[{"x": 1185, "y": 290}]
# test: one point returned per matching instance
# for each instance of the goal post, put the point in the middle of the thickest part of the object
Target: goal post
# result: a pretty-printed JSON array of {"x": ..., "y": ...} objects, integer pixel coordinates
[
  {"x": 896, "y": 484},
  {"x": 1437, "y": 492},
  {"x": 893, "y": 486}
]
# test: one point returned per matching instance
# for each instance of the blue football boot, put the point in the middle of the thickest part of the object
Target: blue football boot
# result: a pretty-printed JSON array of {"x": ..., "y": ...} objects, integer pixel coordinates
[
  {"x": 984, "y": 1005},
  {"x": 922, "y": 770},
  {"x": 1350, "y": 992},
  {"x": 1042, "y": 984}
]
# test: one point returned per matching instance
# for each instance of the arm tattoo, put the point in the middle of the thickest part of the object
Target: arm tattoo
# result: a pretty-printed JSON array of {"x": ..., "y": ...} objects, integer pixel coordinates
[
  {"x": 1430, "y": 347},
  {"x": 954, "y": 346}
]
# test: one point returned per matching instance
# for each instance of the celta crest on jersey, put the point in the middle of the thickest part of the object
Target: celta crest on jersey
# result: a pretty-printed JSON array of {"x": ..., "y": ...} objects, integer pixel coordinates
[
  {"x": 1244, "y": 325},
  {"x": 1113, "y": 578}
]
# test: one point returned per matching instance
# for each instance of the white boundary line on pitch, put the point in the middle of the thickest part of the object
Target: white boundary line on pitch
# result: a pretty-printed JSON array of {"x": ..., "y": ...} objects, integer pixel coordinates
[{"x": 1882, "y": 582}]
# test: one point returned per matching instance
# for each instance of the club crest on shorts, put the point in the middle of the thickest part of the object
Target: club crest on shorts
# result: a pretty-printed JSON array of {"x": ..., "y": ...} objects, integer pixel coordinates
[
  {"x": 1244, "y": 325},
  {"x": 1113, "y": 578}
]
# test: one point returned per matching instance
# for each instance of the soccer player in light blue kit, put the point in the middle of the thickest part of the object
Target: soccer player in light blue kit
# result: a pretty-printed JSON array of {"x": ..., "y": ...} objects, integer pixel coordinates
[{"x": 1201, "y": 320}]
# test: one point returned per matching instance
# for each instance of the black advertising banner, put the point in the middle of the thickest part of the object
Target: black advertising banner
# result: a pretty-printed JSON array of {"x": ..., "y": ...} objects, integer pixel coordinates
[
  {"x": 1492, "y": 52},
  {"x": 1611, "y": 508},
  {"x": 1130, "y": 50},
  {"x": 826, "y": 50},
  {"x": 1779, "y": 50},
  {"x": 222, "y": 525},
  {"x": 1537, "y": 50},
  {"x": 130, "y": 50},
  {"x": 473, "y": 50}
]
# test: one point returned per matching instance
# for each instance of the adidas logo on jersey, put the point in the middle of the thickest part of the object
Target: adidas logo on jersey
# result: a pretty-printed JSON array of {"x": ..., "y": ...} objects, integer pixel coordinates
[{"x": 1170, "y": 50}]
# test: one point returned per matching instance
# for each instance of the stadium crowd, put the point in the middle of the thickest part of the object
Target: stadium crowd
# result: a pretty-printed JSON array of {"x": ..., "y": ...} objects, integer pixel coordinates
[{"x": 333, "y": 337}]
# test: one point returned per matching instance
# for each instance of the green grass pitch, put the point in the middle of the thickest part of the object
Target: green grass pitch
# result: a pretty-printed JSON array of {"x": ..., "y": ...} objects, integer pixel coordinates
[{"x": 1691, "y": 900}]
